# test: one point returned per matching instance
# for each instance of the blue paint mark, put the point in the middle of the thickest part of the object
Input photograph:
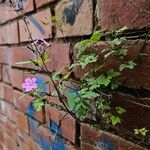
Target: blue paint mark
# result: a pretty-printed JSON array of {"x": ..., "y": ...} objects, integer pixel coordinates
[
  {"x": 105, "y": 144},
  {"x": 35, "y": 133},
  {"x": 41, "y": 84},
  {"x": 54, "y": 128},
  {"x": 58, "y": 145},
  {"x": 30, "y": 110},
  {"x": 34, "y": 129},
  {"x": 44, "y": 144}
]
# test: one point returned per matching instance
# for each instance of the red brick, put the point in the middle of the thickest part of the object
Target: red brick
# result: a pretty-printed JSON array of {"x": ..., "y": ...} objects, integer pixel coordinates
[
  {"x": 2, "y": 37},
  {"x": 1, "y": 146},
  {"x": 8, "y": 93},
  {"x": 19, "y": 54},
  {"x": 7, "y": 12},
  {"x": 90, "y": 135},
  {"x": 68, "y": 125},
  {"x": 1, "y": 136},
  {"x": 0, "y": 72},
  {"x": 7, "y": 110},
  {"x": 21, "y": 121},
  {"x": 23, "y": 140},
  {"x": 1, "y": 91},
  {"x": 128, "y": 13},
  {"x": 132, "y": 105},
  {"x": 11, "y": 130},
  {"x": 6, "y": 74},
  {"x": 58, "y": 57},
  {"x": 12, "y": 31},
  {"x": 44, "y": 31},
  {"x": 42, "y": 2},
  {"x": 10, "y": 143},
  {"x": 17, "y": 78},
  {"x": 23, "y": 103},
  {"x": 3, "y": 120},
  {"x": 4, "y": 57}
]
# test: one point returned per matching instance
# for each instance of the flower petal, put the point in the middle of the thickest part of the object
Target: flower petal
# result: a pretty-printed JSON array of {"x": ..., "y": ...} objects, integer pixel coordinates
[
  {"x": 27, "y": 80},
  {"x": 28, "y": 89},
  {"x": 34, "y": 86},
  {"x": 24, "y": 85},
  {"x": 33, "y": 80}
]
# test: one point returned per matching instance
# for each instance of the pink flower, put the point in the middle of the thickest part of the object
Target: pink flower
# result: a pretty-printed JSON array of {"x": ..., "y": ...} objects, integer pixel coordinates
[{"x": 29, "y": 84}]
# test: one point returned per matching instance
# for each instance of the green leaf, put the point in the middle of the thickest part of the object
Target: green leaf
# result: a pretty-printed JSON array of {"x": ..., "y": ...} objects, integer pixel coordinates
[
  {"x": 38, "y": 104},
  {"x": 114, "y": 86},
  {"x": 104, "y": 80},
  {"x": 115, "y": 120},
  {"x": 85, "y": 104},
  {"x": 82, "y": 46},
  {"x": 96, "y": 36},
  {"x": 42, "y": 59},
  {"x": 87, "y": 59},
  {"x": 120, "y": 110},
  {"x": 97, "y": 82},
  {"x": 72, "y": 99},
  {"x": 117, "y": 41},
  {"x": 121, "y": 52},
  {"x": 111, "y": 74},
  {"x": 128, "y": 65},
  {"x": 142, "y": 131},
  {"x": 85, "y": 93}
]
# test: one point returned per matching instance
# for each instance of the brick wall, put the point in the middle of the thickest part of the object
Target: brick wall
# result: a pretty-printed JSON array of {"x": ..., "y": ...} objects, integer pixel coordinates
[{"x": 21, "y": 128}]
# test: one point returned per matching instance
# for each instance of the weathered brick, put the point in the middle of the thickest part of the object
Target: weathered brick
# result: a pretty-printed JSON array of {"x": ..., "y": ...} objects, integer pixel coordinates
[
  {"x": 11, "y": 129},
  {"x": 36, "y": 26},
  {"x": 23, "y": 140},
  {"x": 10, "y": 143},
  {"x": 42, "y": 2},
  {"x": 137, "y": 77},
  {"x": 91, "y": 136},
  {"x": 127, "y": 13},
  {"x": 2, "y": 37},
  {"x": 21, "y": 121},
  {"x": 5, "y": 55},
  {"x": 8, "y": 93},
  {"x": 19, "y": 54},
  {"x": 1, "y": 136},
  {"x": 8, "y": 13},
  {"x": 23, "y": 103},
  {"x": 75, "y": 16},
  {"x": 132, "y": 104},
  {"x": 11, "y": 33},
  {"x": 16, "y": 78},
  {"x": 68, "y": 125},
  {"x": 7, "y": 110},
  {"x": 6, "y": 74},
  {"x": 58, "y": 57}
]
